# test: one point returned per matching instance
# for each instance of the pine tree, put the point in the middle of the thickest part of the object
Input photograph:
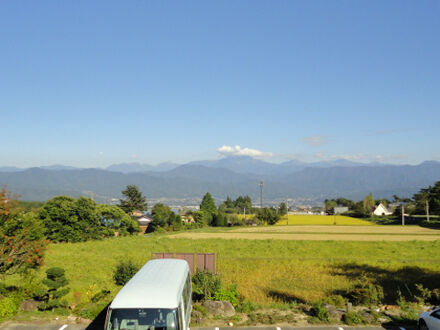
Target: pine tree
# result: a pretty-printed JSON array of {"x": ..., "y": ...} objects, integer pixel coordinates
[
  {"x": 56, "y": 282},
  {"x": 208, "y": 207},
  {"x": 134, "y": 200}
]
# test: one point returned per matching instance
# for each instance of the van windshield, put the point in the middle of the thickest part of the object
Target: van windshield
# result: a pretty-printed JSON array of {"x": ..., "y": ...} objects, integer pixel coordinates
[{"x": 142, "y": 319}]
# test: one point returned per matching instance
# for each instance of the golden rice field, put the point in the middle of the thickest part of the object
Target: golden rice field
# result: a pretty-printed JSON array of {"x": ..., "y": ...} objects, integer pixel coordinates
[
  {"x": 267, "y": 269},
  {"x": 321, "y": 233},
  {"x": 340, "y": 220}
]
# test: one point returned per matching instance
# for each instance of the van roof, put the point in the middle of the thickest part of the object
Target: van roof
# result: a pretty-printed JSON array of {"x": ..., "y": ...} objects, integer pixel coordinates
[{"x": 158, "y": 284}]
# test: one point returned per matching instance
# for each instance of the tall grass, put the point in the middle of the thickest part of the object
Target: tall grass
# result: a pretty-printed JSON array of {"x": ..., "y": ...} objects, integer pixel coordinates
[{"x": 266, "y": 271}]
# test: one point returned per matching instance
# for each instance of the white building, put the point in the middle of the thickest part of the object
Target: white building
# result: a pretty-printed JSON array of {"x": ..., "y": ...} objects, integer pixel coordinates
[{"x": 381, "y": 210}]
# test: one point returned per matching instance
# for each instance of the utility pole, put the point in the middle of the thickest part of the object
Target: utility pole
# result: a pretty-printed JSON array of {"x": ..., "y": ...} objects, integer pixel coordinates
[
  {"x": 287, "y": 206},
  {"x": 261, "y": 184},
  {"x": 403, "y": 215},
  {"x": 427, "y": 210},
  {"x": 244, "y": 214}
]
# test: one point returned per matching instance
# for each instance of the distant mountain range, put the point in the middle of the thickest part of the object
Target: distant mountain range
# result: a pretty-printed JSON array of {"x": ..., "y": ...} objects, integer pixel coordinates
[{"x": 227, "y": 176}]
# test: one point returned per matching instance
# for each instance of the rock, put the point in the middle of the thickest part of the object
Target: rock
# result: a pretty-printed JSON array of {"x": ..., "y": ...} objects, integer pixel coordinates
[
  {"x": 197, "y": 317},
  {"x": 29, "y": 305},
  {"x": 335, "y": 313},
  {"x": 349, "y": 306},
  {"x": 223, "y": 308},
  {"x": 368, "y": 317}
]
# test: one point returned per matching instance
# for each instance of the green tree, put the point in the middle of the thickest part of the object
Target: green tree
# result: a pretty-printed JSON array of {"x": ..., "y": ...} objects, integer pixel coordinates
[
  {"x": 22, "y": 242},
  {"x": 199, "y": 218},
  {"x": 56, "y": 283},
  {"x": 67, "y": 219},
  {"x": 341, "y": 201},
  {"x": 268, "y": 215},
  {"x": 133, "y": 200},
  {"x": 368, "y": 203},
  {"x": 208, "y": 207},
  {"x": 329, "y": 205},
  {"x": 242, "y": 203},
  {"x": 282, "y": 209},
  {"x": 114, "y": 219},
  {"x": 161, "y": 216},
  {"x": 219, "y": 220}
]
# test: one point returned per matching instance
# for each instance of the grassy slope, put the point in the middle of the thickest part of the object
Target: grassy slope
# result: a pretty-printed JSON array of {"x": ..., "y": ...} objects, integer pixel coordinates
[{"x": 265, "y": 270}]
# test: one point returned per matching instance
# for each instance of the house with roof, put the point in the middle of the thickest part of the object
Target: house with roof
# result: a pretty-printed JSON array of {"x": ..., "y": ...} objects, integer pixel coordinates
[{"x": 381, "y": 210}]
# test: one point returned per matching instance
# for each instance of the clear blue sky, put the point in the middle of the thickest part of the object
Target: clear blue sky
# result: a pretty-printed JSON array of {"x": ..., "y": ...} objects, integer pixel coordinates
[{"x": 91, "y": 83}]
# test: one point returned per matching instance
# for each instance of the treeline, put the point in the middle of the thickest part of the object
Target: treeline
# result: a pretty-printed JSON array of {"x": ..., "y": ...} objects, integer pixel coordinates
[
  {"x": 426, "y": 201},
  {"x": 238, "y": 212}
]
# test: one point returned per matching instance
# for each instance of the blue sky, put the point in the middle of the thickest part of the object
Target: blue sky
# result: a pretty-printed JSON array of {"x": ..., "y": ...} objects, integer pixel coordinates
[{"x": 91, "y": 83}]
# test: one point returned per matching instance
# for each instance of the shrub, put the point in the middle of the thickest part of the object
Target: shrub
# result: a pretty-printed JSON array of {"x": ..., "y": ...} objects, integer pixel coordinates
[
  {"x": 124, "y": 271},
  {"x": 320, "y": 312},
  {"x": 366, "y": 293},
  {"x": 8, "y": 307},
  {"x": 230, "y": 294},
  {"x": 336, "y": 300},
  {"x": 205, "y": 285},
  {"x": 353, "y": 318},
  {"x": 56, "y": 282}
]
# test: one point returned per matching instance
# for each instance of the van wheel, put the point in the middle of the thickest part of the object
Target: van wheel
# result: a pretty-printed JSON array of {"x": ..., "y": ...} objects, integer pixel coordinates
[{"x": 422, "y": 325}]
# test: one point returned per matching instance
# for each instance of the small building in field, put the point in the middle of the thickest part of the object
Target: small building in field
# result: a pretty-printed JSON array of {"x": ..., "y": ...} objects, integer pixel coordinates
[
  {"x": 381, "y": 210},
  {"x": 142, "y": 219}
]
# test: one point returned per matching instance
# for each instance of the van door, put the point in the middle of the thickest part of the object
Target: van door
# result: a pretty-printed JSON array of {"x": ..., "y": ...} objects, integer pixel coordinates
[{"x": 182, "y": 315}]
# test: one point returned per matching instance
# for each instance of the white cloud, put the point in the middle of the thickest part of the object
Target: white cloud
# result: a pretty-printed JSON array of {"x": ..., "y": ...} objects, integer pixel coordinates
[
  {"x": 239, "y": 151},
  {"x": 315, "y": 140},
  {"x": 101, "y": 153}
]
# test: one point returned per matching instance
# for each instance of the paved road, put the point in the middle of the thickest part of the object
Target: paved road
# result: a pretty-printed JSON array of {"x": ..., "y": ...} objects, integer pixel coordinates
[{"x": 83, "y": 327}]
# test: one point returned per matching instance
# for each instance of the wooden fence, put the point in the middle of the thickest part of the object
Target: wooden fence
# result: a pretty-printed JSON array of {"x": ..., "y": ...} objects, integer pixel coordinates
[{"x": 196, "y": 261}]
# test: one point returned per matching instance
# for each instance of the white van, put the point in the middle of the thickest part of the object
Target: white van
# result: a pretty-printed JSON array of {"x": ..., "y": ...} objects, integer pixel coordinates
[{"x": 158, "y": 297}]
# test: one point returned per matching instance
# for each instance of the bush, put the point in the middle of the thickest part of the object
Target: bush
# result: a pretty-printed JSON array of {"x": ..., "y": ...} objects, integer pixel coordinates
[
  {"x": 205, "y": 285},
  {"x": 353, "y": 318},
  {"x": 320, "y": 312},
  {"x": 366, "y": 293},
  {"x": 230, "y": 294},
  {"x": 336, "y": 300},
  {"x": 124, "y": 271},
  {"x": 8, "y": 307},
  {"x": 56, "y": 283}
]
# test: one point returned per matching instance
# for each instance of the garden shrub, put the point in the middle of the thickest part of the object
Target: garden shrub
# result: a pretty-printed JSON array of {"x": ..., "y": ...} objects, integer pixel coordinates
[
  {"x": 320, "y": 312},
  {"x": 124, "y": 271},
  {"x": 8, "y": 307},
  {"x": 205, "y": 285},
  {"x": 230, "y": 294},
  {"x": 366, "y": 293},
  {"x": 56, "y": 283},
  {"x": 353, "y": 318}
]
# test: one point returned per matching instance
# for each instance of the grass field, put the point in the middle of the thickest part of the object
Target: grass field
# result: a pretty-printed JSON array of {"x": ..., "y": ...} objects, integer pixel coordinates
[
  {"x": 321, "y": 233},
  {"x": 339, "y": 220},
  {"x": 265, "y": 270}
]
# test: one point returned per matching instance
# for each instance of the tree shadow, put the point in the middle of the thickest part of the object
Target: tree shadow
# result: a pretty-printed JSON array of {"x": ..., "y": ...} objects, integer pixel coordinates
[
  {"x": 99, "y": 321},
  {"x": 284, "y": 297},
  {"x": 401, "y": 280}
]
